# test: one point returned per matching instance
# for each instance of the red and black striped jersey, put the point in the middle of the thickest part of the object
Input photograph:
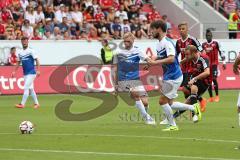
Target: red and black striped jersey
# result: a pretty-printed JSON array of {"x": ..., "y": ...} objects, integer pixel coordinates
[
  {"x": 180, "y": 48},
  {"x": 212, "y": 49},
  {"x": 198, "y": 67}
]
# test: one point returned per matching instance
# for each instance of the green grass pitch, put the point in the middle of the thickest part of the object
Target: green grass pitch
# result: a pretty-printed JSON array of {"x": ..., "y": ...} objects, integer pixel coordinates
[{"x": 118, "y": 135}]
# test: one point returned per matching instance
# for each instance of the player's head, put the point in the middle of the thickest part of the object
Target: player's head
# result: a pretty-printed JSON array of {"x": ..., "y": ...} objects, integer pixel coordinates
[
  {"x": 13, "y": 50},
  {"x": 183, "y": 29},
  {"x": 128, "y": 40},
  {"x": 158, "y": 28},
  {"x": 208, "y": 35},
  {"x": 24, "y": 41},
  {"x": 191, "y": 52}
]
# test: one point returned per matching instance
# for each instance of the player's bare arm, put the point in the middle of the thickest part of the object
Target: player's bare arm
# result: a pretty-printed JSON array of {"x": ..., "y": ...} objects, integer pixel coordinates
[
  {"x": 37, "y": 66},
  {"x": 201, "y": 76}
]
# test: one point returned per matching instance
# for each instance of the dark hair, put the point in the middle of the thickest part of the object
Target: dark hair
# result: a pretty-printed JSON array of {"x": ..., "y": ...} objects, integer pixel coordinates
[
  {"x": 208, "y": 31},
  {"x": 13, "y": 48},
  {"x": 159, "y": 24}
]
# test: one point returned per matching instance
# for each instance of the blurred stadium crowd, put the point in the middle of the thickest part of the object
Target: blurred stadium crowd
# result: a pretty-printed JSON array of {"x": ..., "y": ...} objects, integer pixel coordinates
[{"x": 78, "y": 19}]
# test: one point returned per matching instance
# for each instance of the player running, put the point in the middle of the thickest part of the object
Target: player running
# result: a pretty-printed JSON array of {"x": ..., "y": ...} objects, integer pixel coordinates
[
  {"x": 127, "y": 60},
  {"x": 27, "y": 57},
  {"x": 181, "y": 44},
  {"x": 172, "y": 74},
  {"x": 236, "y": 70},
  {"x": 212, "y": 49}
]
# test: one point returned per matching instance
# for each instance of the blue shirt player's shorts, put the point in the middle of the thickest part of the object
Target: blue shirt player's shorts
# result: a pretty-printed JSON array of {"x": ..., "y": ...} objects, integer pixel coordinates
[
  {"x": 132, "y": 86},
  {"x": 169, "y": 88},
  {"x": 29, "y": 81}
]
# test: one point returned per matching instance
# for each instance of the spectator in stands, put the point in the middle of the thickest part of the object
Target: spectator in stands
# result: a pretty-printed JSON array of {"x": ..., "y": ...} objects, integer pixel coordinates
[
  {"x": 106, "y": 5},
  {"x": 48, "y": 36},
  {"x": 153, "y": 15},
  {"x": 230, "y": 6},
  {"x": 92, "y": 35},
  {"x": 102, "y": 26},
  {"x": 68, "y": 14},
  {"x": 66, "y": 36},
  {"x": 111, "y": 15},
  {"x": 233, "y": 24},
  {"x": 38, "y": 14},
  {"x": 125, "y": 26},
  {"x": 95, "y": 5},
  {"x": 17, "y": 14},
  {"x": 18, "y": 32},
  {"x": 12, "y": 57},
  {"x": 24, "y": 4},
  {"x": 89, "y": 14},
  {"x": 121, "y": 13},
  {"x": 30, "y": 16},
  {"x": 77, "y": 15},
  {"x": 27, "y": 29},
  {"x": 64, "y": 25},
  {"x": 106, "y": 52},
  {"x": 135, "y": 26},
  {"x": 57, "y": 34},
  {"x": 2, "y": 30},
  {"x": 116, "y": 26},
  {"x": 49, "y": 27},
  {"x": 36, "y": 35},
  {"x": 49, "y": 13},
  {"x": 145, "y": 26},
  {"x": 5, "y": 14},
  {"x": 60, "y": 13},
  {"x": 9, "y": 29},
  {"x": 140, "y": 34},
  {"x": 133, "y": 13},
  {"x": 165, "y": 19},
  {"x": 40, "y": 28},
  {"x": 99, "y": 15}
]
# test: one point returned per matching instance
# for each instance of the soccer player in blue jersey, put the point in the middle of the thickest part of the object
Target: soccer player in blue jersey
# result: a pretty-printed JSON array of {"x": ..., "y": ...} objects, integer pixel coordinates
[
  {"x": 128, "y": 79},
  {"x": 28, "y": 57},
  {"x": 172, "y": 74}
]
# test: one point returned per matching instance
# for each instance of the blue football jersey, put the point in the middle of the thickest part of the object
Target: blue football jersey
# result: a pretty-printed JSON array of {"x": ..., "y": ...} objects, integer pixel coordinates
[
  {"x": 27, "y": 58},
  {"x": 165, "y": 48},
  {"x": 128, "y": 63}
]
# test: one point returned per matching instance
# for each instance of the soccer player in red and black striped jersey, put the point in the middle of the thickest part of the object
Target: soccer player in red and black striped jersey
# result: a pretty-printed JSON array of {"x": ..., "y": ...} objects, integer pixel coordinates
[
  {"x": 213, "y": 49},
  {"x": 181, "y": 44},
  {"x": 199, "y": 79}
]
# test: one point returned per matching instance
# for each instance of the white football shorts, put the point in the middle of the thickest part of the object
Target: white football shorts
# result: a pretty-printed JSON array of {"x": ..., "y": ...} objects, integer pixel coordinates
[
  {"x": 29, "y": 81},
  {"x": 169, "y": 88}
]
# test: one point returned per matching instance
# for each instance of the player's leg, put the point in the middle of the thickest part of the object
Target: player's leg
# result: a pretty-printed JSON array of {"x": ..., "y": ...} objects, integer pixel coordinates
[
  {"x": 187, "y": 92},
  {"x": 138, "y": 93},
  {"x": 168, "y": 94},
  {"x": 215, "y": 82},
  {"x": 33, "y": 93},
  {"x": 27, "y": 84},
  {"x": 193, "y": 100},
  {"x": 211, "y": 99}
]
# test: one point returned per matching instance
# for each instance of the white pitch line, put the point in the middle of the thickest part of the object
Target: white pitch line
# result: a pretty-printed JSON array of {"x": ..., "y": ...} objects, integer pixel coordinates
[
  {"x": 131, "y": 136},
  {"x": 113, "y": 154}
]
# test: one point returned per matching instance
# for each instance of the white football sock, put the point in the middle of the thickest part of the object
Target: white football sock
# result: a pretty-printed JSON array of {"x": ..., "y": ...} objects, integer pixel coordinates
[
  {"x": 169, "y": 114},
  {"x": 141, "y": 109},
  {"x": 182, "y": 106},
  {"x": 34, "y": 96},
  {"x": 25, "y": 96}
]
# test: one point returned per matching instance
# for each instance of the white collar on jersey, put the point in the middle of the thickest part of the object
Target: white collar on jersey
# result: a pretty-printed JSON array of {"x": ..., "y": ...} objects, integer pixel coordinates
[{"x": 185, "y": 39}]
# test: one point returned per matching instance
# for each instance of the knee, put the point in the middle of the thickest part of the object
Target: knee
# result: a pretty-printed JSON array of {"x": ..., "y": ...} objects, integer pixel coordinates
[
  {"x": 144, "y": 101},
  {"x": 163, "y": 101},
  {"x": 194, "y": 89}
]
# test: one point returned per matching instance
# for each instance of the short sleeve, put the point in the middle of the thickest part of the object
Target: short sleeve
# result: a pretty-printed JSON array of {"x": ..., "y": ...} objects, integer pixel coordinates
[
  {"x": 34, "y": 54},
  {"x": 142, "y": 55},
  {"x": 170, "y": 49}
]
